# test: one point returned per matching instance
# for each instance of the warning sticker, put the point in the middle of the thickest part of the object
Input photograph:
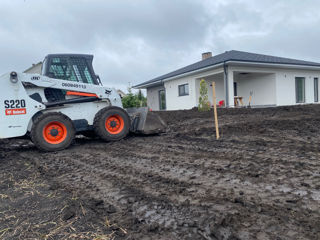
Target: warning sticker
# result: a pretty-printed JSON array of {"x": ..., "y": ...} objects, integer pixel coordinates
[{"x": 17, "y": 111}]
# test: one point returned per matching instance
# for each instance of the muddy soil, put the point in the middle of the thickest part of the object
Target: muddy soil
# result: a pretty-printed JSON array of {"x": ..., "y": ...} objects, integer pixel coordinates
[{"x": 261, "y": 180}]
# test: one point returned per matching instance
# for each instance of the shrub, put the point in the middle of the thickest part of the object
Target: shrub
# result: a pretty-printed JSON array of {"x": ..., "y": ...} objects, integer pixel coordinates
[
  {"x": 204, "y": 104},
  {"x": 134, "y": 100}
]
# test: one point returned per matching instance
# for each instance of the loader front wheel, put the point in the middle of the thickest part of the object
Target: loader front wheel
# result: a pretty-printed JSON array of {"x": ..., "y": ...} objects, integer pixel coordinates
[
  {"x": 52, "y": 132},
  {"x": 111, "y": 124}
]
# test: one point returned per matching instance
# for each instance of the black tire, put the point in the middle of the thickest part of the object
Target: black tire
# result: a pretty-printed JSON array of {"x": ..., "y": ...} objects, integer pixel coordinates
[
  {"x": 116, "y": 119},
  {"x": 52, "y": 132}
]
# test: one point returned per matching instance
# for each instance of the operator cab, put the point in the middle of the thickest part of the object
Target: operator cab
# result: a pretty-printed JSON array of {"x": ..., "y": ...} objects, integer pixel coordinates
[{"x": 70, "y": 67}]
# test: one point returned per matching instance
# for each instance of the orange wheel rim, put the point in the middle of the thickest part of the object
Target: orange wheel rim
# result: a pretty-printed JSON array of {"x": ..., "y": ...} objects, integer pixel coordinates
[
  {"x": 55, "y": 132},
  {"x": 114, "y": 124}
]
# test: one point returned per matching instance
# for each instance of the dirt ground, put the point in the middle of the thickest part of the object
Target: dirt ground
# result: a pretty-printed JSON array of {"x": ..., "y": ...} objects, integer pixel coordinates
[{"x": 260, "y": 181}]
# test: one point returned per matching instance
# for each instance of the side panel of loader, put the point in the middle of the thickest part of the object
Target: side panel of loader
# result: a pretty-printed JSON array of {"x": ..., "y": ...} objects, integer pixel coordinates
[{"x": 16, "y": 108}]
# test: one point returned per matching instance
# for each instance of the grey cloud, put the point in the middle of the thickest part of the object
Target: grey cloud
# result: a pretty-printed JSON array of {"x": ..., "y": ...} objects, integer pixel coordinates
[{"x": 134, "y": 41}]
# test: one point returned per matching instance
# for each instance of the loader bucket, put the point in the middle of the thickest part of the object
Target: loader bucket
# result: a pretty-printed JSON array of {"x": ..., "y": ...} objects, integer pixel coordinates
[{"x": 145, "y": 122}]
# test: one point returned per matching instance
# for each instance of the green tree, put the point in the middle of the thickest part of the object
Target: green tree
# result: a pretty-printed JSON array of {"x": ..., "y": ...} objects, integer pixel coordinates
[
  {"x": 142, "y": 99},
  {"x": 134, "y": 100},
  {"x": 204, "y": 104}
]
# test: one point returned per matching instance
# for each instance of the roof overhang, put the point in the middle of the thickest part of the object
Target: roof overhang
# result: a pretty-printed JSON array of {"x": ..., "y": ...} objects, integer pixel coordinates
[
  {"x": 274, "y": 65},
  {"x": 231, "y": 62},
  {"x": 147, "y": 85}
]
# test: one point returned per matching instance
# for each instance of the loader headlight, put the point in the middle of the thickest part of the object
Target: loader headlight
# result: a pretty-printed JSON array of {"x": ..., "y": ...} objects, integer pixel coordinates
[{"x": 13, "y": 77}]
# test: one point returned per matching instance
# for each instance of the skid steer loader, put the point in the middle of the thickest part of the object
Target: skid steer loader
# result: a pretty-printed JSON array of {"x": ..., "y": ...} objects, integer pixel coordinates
[{"x": 67, "y": 98}]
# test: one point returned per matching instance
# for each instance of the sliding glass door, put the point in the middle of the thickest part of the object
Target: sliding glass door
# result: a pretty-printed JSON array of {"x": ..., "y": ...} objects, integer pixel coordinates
[
  {"x": 162, "y": 100},
  {"x": 316, "y": 89},
  {"x": 300, "y": 90}
]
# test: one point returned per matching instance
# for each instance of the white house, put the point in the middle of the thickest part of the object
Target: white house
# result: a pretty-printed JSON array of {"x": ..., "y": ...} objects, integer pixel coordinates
[
  {"x": 271, "y": 81},
  {"x": 35, "y": 68}
]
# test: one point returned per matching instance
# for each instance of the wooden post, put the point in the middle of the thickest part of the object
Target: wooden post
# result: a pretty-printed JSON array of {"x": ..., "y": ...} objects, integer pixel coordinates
[
  {"x": 250, "y": 98},
  {"x": 214, "y": 98}
]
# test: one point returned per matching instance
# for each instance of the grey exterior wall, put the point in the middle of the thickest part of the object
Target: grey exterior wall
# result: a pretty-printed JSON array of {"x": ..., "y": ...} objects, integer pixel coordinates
[
  {"x": 36, "y": 68},
  {"x": 153, "y": 97}
]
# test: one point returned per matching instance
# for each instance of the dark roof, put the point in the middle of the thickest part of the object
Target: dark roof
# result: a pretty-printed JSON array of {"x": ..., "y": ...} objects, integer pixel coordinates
[{"x": 232, "y": 56}]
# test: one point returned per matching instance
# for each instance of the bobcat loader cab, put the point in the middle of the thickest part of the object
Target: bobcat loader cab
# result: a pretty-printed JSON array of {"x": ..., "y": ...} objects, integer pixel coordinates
[{"x": 67, "y": 98}]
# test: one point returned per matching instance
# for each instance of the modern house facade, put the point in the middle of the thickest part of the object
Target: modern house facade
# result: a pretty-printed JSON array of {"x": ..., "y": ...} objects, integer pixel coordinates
[
  {"x": 269, "y": 80},
  {"x": 35, "y": 68}
]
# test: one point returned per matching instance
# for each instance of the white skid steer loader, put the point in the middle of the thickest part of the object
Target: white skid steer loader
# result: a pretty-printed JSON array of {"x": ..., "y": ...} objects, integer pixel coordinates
[{"x": 65, "y": 99}]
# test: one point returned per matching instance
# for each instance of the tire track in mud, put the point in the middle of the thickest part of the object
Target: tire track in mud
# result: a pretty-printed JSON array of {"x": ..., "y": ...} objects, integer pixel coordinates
[
  {"x": 157, "y": 211},
  {"x": 258, "y": 158},
  {"x": 176, "y": 162},
  {"x": 260, "y": 181},
  {"x": 118, "y": 169},
  {"x": 173, "y": 216}
]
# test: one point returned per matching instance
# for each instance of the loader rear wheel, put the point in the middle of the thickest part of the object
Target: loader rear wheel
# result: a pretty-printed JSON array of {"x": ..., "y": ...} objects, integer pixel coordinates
[
  {"x": 52, "y": 132},
  {"x": 111, "y": 123}
]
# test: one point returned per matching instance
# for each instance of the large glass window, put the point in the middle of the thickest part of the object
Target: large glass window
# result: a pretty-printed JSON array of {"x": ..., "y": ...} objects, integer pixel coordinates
[
  {"x": 162, "y": 100},
  {"x": 183, "y": 89},
  {"x": 300, "y": 89},
  {"x": 316, "y": 89},
  {"x": 71, "y": 69}
]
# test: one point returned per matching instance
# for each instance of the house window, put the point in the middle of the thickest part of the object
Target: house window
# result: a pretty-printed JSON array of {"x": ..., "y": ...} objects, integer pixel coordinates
[
  {"x": 162, "y": 100},
  {"x": 300, "y": 89},
  {"x": 183, "y": 90},
  {"x": 316, "y": 89}
]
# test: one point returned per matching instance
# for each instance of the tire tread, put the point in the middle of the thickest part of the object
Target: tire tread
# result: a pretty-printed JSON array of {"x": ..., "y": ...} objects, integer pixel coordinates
[
  {"x": 102, "y": 132},
  {"x": 37, "y": 140}
]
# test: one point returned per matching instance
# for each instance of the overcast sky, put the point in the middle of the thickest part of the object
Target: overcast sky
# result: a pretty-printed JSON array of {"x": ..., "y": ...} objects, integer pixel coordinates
[{"x": 137, "y": 40}]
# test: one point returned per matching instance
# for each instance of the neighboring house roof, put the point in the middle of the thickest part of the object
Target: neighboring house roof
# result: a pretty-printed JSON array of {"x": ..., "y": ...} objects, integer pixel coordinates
[
  {"x": 121, "y": 93},
  {"x": 34, "y": 68},
  {"x": 236, "y": 56}
]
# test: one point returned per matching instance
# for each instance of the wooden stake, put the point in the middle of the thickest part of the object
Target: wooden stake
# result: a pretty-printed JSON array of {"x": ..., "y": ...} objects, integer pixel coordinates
[
  {"x": 250, "y": 98},
  {"x": 214, "y": 98}
]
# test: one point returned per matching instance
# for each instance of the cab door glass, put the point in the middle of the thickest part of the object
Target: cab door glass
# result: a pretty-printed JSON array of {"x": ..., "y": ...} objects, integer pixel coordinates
[
  {"x": 60, "y": 69},
  {"x": 71, "y": 69}
]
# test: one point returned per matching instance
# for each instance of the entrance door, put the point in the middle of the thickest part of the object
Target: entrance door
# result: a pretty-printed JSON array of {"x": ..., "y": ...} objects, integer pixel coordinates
[
  {"x": 235, "y": 90},
  {"x": 162, "y": 100}
]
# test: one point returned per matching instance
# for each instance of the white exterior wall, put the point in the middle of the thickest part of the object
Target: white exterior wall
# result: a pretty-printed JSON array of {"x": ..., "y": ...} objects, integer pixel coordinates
[
  {"x": 218, "y": 79},
  {"x": 230, "y": 87},
  {"x": 263, "y": 87},
  {"x": 176, "y": 102},
  {"x": 286, "y": 88},
  {"x": 153, "y": 97},
  {"x": 36, "y": 68},
  {"x": 260, "y": 80},
  {"x": 270, "y": 86}
]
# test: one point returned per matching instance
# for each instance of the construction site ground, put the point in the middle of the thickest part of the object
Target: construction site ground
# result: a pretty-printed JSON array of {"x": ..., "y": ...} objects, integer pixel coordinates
[{"x": 261, "y": 180}]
